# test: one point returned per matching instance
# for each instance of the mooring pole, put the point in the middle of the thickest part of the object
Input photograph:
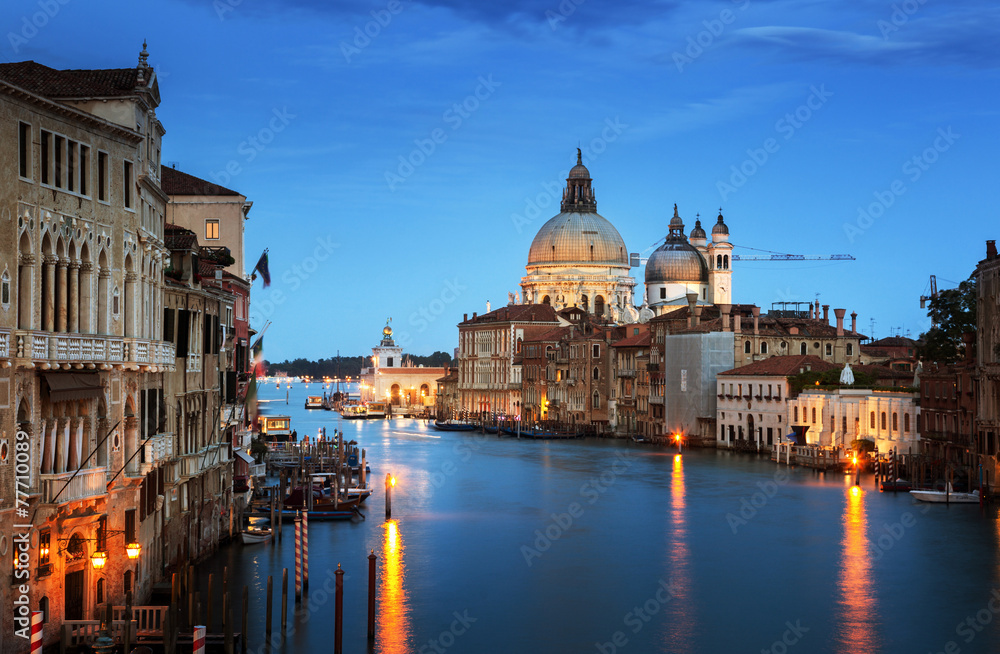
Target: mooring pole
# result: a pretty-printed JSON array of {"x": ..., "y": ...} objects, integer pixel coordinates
[
  {"x": 371, "y": 595},
  {"x": 338, "y": 627}
]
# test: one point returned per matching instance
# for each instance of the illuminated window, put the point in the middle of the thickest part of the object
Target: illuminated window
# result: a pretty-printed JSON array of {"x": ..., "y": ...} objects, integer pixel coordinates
[{"x": 212, "y": 229}]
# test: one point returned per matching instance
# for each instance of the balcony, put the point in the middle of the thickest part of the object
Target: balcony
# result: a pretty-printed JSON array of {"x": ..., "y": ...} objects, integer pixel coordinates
[
  {"x": 49, "y": 350},
  {"x": 656, "y": 399},
  {"x": 87, "y": 483},
  {"x": 4, "y": 343},
  {"x": 626, "y": 373},
  {"x": 158, "y": 450}
]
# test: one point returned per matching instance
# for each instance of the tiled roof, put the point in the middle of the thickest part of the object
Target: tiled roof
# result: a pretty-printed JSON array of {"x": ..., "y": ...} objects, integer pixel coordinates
[
  {"x": 636, "y": 340},
  {"x": 179, "y": 238},
  {"x": 175, "y": 182},
  {"x": 782, "y": 366},
  {"x": 516, "y": 313},
  {"x": 547, "y": 335},
  {"x": 52, "y": 83},
  {"x": 894, "y": 341}
]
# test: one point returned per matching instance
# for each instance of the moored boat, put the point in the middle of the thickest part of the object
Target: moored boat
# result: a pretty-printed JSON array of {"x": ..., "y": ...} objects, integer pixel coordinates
[
  {"x": 254, "y": 535},
  {"x": 948, "y": 496},
  {"x": 314, "y": 402},
  {"x": 449, "y": 425}
]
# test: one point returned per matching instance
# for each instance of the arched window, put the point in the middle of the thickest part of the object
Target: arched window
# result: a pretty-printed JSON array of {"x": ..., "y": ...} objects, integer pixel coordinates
[
  {"x": 597, "y": 373},
  {"x": 850, "y": 349},
  {"x": 883, "y": 420},
  {"x": 718, "y": 262},
  {"x": 895, "y": 422},
  {"x": 746, "y": 347},
  {"x": 906, "y": 422},
  {"x": 802, "y": 348},
  {"x": 873, "y": 420},
  {"x": 725, "y": 262},
  {"x": 584, "y": 302},
  {"x": 829, "y": 349},
  {"x": 519, "y": 345},
  {"x": 763, "y": 348},
  {"x": 795, "y": 414},
  {"x": 814, "y": 415},
  {"x": 597, "y": 400},
  {"x": 599, "y": 305},
  {"x": 546, "y": 300}
]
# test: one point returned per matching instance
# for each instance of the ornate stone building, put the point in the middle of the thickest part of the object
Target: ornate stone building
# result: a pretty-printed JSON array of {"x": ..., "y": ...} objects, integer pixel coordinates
[
  {"x": 390, "y": 378},
  {"x": 988, "y": 361},
  {"x": 578, "y": 258}
]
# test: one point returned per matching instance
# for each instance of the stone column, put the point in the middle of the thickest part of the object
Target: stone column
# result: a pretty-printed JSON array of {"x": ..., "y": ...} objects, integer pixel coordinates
[
  {"x": 61, "y": 288},
  {"x": 85, "y": 297},
  {"x": 26, "y": 271},
  {"x": 73, "y": 323},
  {"x": 130, "y": 301},
  {"x": 49, "y": 295}
]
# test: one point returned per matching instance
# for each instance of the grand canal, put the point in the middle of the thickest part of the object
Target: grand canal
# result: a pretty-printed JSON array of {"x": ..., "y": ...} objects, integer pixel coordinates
[{"x": 500, "y": 545}]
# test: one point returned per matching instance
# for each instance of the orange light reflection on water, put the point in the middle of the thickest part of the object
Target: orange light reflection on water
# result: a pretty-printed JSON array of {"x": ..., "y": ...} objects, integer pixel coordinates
[
  {"x": 680, "y": 625},
  {"x": 857, "y": 629},
  {"x": 393, "y": 626}
]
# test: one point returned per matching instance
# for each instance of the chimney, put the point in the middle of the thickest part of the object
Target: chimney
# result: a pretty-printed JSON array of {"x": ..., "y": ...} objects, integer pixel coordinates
[
  {"x": 697, "y": 315},
  {"x": 826, "y": 313},
  {"x": 725, "y": 309},
  {"x": 465, "y": 317},
  {"x": 738, "y": 321},
  {"x": 854, "y": 322},
  {"x": 991, "y": 249},
  {"x": 816, "y": 310},
  {"x": 473, "y": 315},
  {"x": 840, "y": 320},
  {"x": 691, "y": 298},
  {"x": 756, "y": 320}
]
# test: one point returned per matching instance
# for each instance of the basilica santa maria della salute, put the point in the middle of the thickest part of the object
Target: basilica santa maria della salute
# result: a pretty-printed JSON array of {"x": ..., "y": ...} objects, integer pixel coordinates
[{"x": 578, "y": 259}]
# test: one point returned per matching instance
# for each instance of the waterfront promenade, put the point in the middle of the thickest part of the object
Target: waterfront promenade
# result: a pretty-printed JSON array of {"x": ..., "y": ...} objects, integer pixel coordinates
[{"x": 499, "y": 545}]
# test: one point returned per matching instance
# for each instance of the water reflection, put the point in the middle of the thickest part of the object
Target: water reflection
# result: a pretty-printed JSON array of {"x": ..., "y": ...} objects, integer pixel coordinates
[
  {"x": 856, "y": 602},
  {"x": 680, "y": 630},
  {"x": 394, "y": 613}
]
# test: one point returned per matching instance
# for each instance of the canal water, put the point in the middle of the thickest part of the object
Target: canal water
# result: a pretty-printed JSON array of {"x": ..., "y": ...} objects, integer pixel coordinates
[{"x": 501, "y": 545}]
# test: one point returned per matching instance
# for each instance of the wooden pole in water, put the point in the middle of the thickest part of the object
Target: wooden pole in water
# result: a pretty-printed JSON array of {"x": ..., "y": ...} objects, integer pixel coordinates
[
  {"x": 227, "y": 622},
  {"x": 284, "y": 600},
  {"x": 338, "y": 624},
  {"x": 388, "y": 496},
  {"x": 305, "y": 550},
  {"x": 371, "y": 595},
  {"x": 170, "y": 631},
  {"x": 362, "y": 475},
  {"x": 267, "y": 624},
  {"x": 190, "y": 594},
  {"x": 274, "y": 524},
  {"x": 298, "y": 559},
  {"x": 246, "y": 605}
]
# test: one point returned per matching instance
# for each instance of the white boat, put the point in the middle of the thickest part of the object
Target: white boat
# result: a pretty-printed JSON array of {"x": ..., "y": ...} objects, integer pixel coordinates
[
  {"x": 949, "y": 496},
  {"x": 254, "y": 535},
  {"x": 314, "y": 402}
]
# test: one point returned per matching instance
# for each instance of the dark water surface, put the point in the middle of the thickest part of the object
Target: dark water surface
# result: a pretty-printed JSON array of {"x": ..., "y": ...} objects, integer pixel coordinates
[{"x": 500, "y": 545}]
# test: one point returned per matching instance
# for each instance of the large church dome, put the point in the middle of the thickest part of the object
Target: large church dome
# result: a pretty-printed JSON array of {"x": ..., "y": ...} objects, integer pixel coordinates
[
  {"x": 578, "y": 238},
  {"x": 578, "y": 234}
]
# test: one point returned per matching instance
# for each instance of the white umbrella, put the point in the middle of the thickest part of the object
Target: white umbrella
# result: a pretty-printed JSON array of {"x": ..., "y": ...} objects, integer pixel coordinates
[{"x": 847, "y": 377}]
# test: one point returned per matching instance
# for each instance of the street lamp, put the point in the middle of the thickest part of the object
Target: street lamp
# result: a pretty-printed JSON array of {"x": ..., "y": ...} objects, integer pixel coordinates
[
  {"x": 98, "y": 559},
  {"x": 133, "y": 550}
]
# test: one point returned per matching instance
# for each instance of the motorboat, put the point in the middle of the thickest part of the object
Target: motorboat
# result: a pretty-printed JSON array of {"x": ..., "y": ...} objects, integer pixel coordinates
[
  {"x": 948, "y": 496},
  {"x": 314, "y": 402},
  {"x": 253, "y": 535},
  {"x": 450, "y": 425}
]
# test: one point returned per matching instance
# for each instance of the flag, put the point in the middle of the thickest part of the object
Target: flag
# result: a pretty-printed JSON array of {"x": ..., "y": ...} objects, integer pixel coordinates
[{"x": 261, "y": 267}]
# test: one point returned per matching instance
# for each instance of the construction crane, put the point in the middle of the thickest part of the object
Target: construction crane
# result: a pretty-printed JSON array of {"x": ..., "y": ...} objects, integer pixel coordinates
[
  {"x": 637, "y": 259},
  {"x": 924, "y": 299}
]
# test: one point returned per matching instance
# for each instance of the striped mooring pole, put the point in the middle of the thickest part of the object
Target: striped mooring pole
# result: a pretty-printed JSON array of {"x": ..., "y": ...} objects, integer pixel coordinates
[
  {"x": 199, "y": 640},
  {"x": 305, "y": 550},
  {"x": 36, "y": 632},
  {"x": 298, "y": 558}
]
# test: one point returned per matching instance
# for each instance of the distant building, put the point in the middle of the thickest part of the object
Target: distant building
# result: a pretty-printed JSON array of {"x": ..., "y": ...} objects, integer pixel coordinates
[
  {"x": 838, "y": 417},
  {"x": 391, "y": 379},
  {"x": 988, "y": 361},
  {"x": 753, "y": 400},
  {"x": 630, "y": 418},
  {"x": 446, "y": 401},
  {"x": 948, "y": 409},
  {"x": 896, "y": 352}
]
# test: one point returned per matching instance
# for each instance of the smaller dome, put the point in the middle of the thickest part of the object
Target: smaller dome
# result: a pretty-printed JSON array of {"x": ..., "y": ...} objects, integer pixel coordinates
[
  {"x": 676, "y": 261},
  {"x": 387, "y": 331},
  {"x": 720, "y": 226},
  {"x": 698, "y": 232}
]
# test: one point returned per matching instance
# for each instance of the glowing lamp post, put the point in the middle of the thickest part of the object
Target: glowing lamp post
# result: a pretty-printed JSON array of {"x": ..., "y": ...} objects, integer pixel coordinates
[
  {"x": 133, "y": 550},
  {"x": 677, "y": 437},
  {"x": 390, "y": 481}
]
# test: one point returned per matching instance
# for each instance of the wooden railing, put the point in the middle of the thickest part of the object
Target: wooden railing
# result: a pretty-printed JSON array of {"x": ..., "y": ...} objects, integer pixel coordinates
[
  {"x": 77, "y": 633},
  {"x": 147, "y": 621}
]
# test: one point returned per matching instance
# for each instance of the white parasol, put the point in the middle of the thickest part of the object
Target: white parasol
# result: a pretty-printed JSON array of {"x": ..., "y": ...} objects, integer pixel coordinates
[{"x": 847, "y": 376}]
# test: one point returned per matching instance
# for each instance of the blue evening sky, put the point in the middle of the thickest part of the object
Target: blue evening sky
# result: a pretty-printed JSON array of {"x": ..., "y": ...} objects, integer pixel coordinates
[{"x": 878, "y": 121}]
